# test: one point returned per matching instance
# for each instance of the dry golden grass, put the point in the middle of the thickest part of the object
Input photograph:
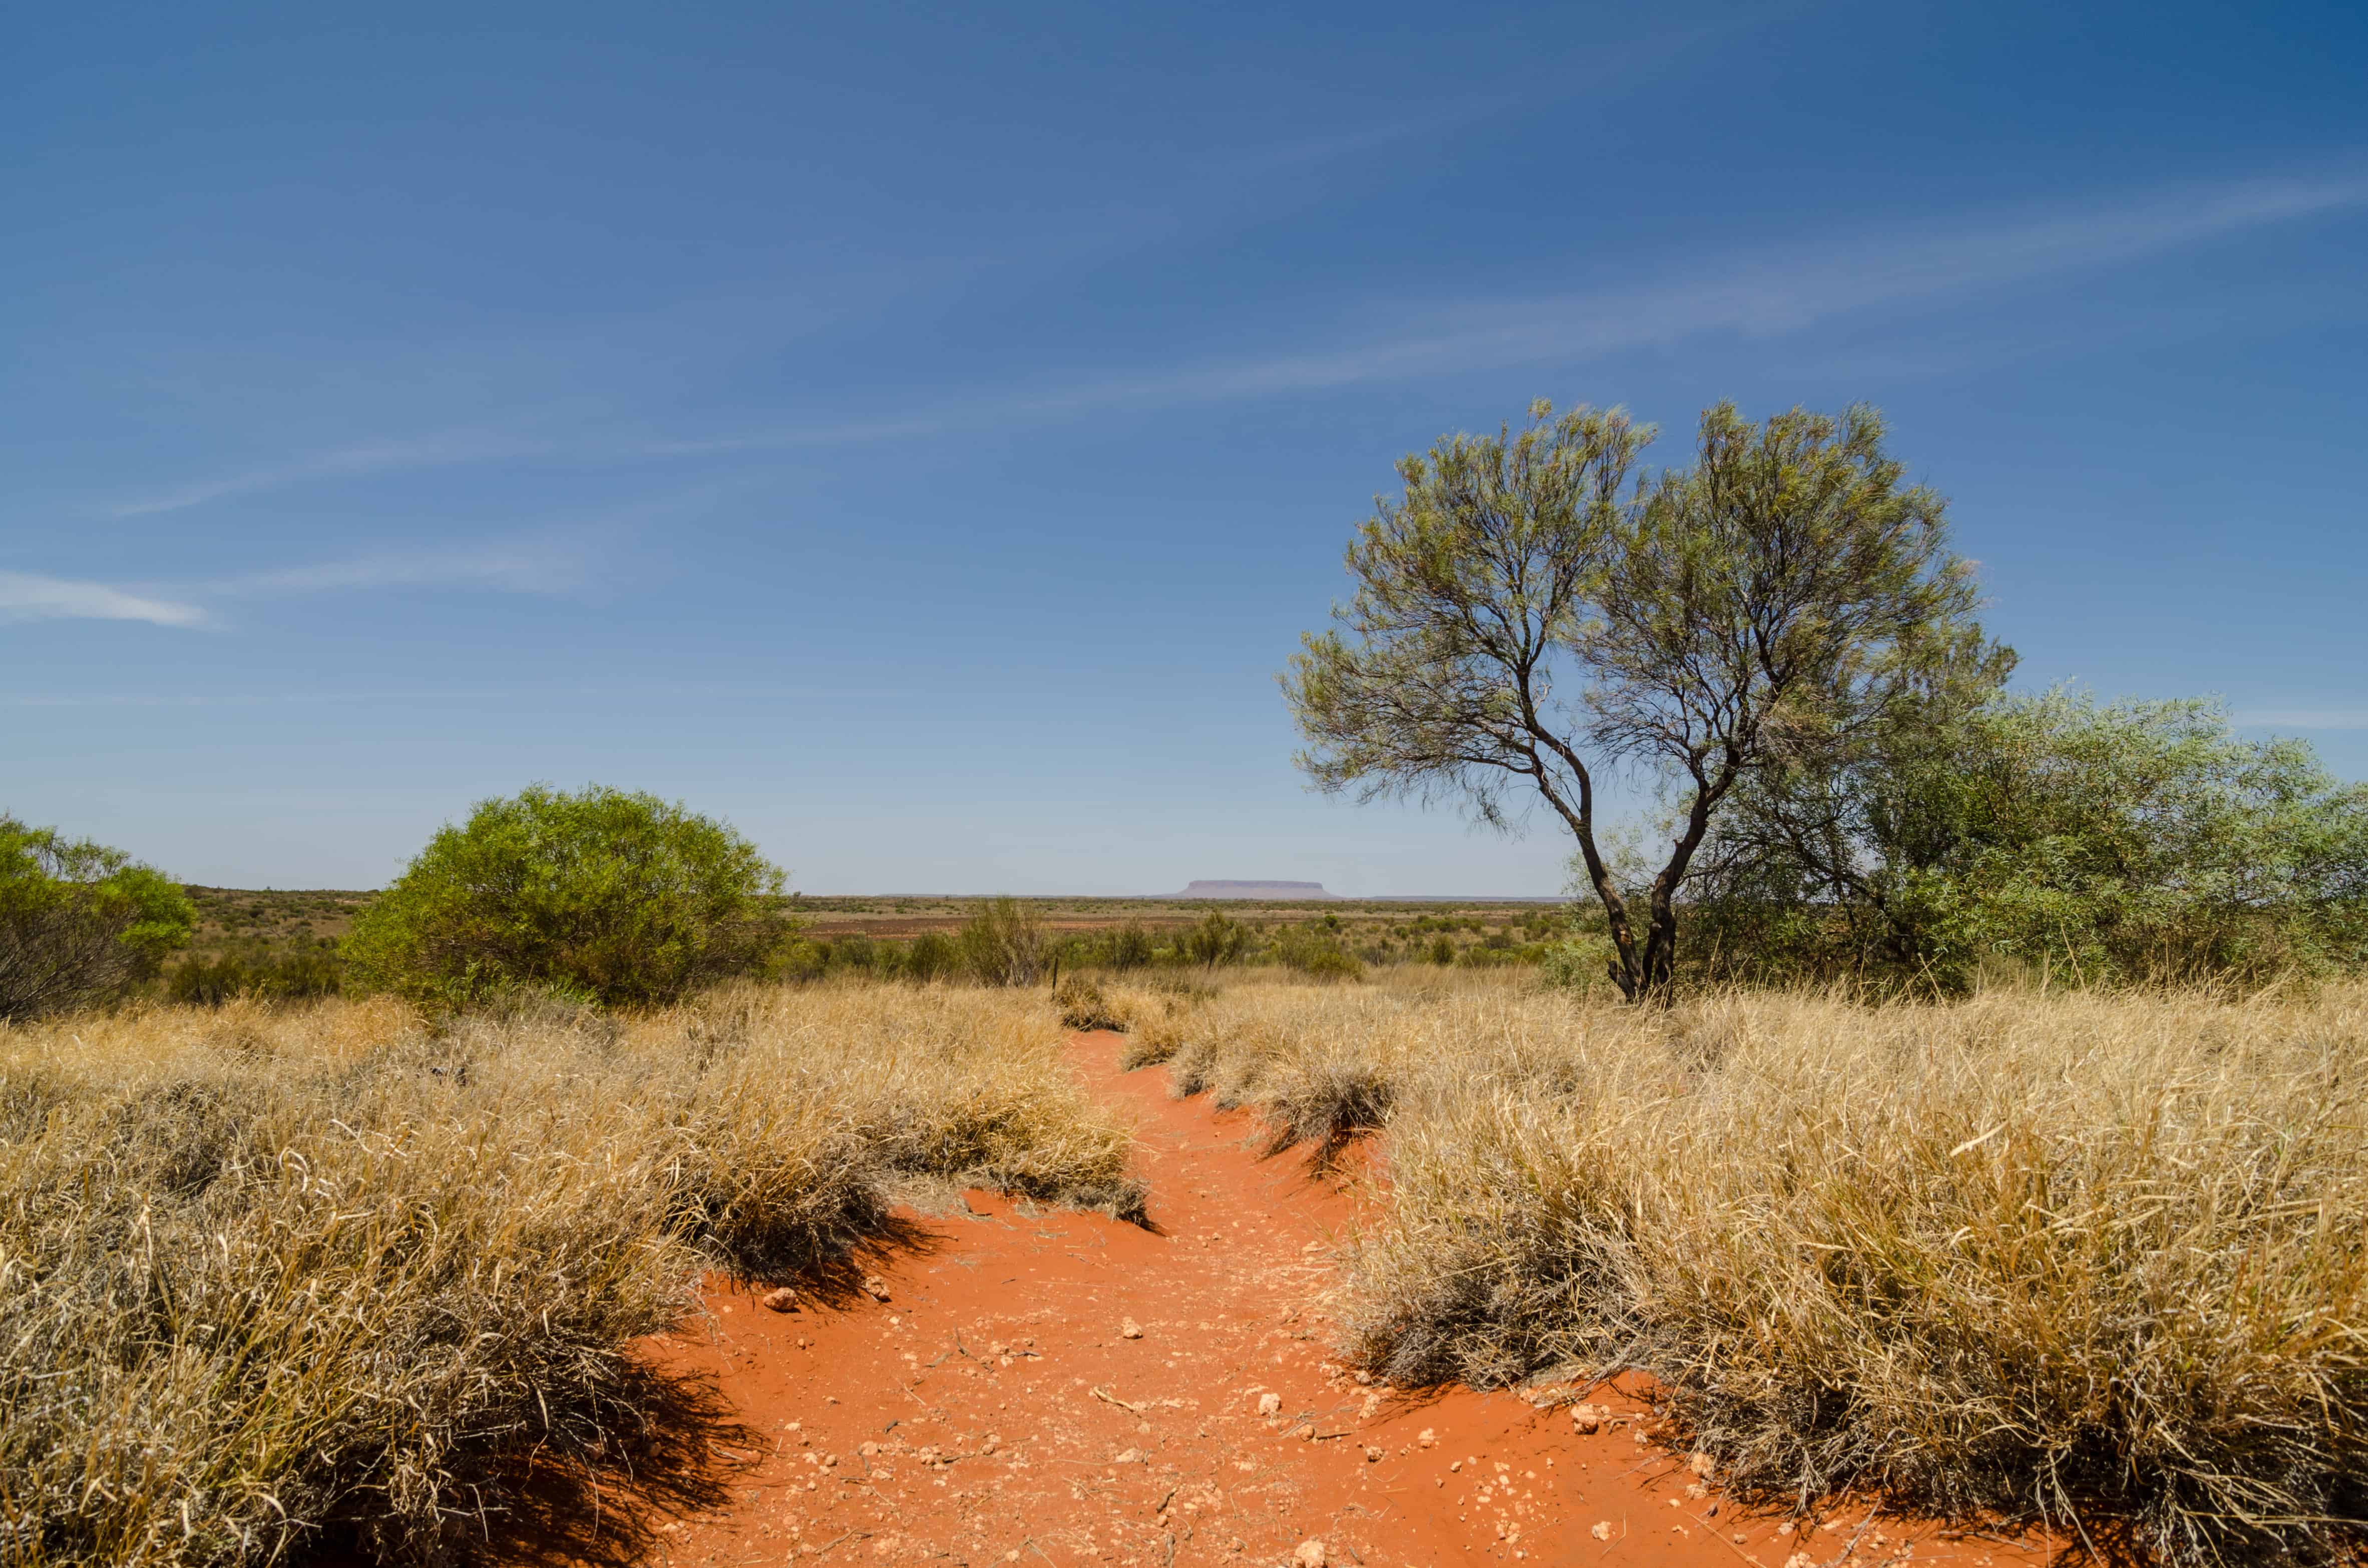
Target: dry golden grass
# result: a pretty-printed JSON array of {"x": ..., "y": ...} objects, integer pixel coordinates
[
  {"x": 2098, "y": 1259},
  {"x": 268, "y": 1278}
]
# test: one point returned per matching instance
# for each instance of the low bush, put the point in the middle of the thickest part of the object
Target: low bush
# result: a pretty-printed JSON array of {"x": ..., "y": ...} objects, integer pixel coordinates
[
  {"x": 1579, "y": 964},
  {"x": 79, "y": 922},
  {"x": 1316, "y": 952},
  {"x": 275, "y": 1279},
  {"x": 615, "y": 897},
  {"x": 1217, "y": 938},
  {"x": 1082, "y": 1005},
  {"x": 1002, "y": 944},
  {"x": 1128, "y": 946},
  {"x": 932, "y": 955},
  {"x": 266, "y": 974}
]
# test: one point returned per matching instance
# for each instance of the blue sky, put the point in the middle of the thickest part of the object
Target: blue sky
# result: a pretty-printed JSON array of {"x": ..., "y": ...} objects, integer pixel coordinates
[{"x": 919, "y": 435}]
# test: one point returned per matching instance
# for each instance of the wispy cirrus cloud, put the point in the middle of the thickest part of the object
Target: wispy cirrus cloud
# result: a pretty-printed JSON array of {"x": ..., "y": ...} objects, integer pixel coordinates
[
  {"x": 1904, "y": 267},
  {"x": 554, "y": 561},
  {"x": 28, "y": 595},
  {"x": 1854, "y": 275},
  {"x": 360, "y": 458},
  {"x": 1929, "y": 264}
]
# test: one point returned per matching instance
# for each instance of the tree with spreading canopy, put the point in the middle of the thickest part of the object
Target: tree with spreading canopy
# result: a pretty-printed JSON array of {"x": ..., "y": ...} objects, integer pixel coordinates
[
  {"x": 79, "y": 922},
  {"x": 1535, "y": 613}
]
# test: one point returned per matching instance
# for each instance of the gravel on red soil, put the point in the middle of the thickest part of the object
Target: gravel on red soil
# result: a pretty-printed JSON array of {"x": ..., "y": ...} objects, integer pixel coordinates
[{"x": 1046, "y": 1386}]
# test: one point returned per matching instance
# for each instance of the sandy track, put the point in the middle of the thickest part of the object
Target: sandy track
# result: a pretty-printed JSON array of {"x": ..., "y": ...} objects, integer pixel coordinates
[{"x": 995, "y": 1408}]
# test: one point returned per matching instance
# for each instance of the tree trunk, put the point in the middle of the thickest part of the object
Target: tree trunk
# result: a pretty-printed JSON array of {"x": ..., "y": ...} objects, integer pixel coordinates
[
  {"x": 1627, "y": 966},
  {"x": 1660, "y": 957}
]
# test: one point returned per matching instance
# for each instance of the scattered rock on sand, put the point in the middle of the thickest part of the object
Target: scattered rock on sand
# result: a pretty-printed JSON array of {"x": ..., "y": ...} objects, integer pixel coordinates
[
  {"x": 1269, "y": 1404},
  {"x": 1586, "y": 1417},
  {"x": 1427, "y": 1437},
  {"x": 875, "y": 1287},
  {"x": 1129, "y": 1329},
  {"x": 1308, "y": 1554},
  {"x": 1372, "y": 1455},
  {"x": 1602, "y": 1530},
  {"x": 1700, "y": 1462},
  {"x": 782, "y": 1301}
]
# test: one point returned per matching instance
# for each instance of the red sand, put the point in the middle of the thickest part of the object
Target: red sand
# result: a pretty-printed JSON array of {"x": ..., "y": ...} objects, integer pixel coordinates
[{"x": 997, "y": 1409}]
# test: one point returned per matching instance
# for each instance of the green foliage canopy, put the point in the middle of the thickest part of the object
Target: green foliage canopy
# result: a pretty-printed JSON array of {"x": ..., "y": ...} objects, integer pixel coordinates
[
  {"x": 1002, "y": 943},
  {"x": 1526, "y": 616},
  {"x": 1217, "y": 938},
  {"x": 79, "y": 922},
  {"x": 2095, "y": 841},
  {"x": 613, "y": 896}
]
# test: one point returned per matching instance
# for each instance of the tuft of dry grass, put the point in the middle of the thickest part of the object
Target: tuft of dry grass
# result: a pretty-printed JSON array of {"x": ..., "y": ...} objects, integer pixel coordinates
[
  {"x": 1081, "y": 1005},
  {"x": 275, "y": 1278},
  {"x": 2077, "y": 1258}
]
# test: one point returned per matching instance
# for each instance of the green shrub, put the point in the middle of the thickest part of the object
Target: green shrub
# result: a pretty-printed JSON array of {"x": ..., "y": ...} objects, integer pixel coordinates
[
  {"x": 1330, "y": 963},
  {"x": 2049, "y": 833},
  {"x": 1315, "y": 952},
  {"x": 1127, "y": 946},
  {"x": 1002, "y": 944},
  {"x": 1216, "y": 939},
  {"x": 209, "y": 983},
  {"x": 79, "y": 922},
  {"x": 613, "y": 896},
  {"x": 932, "y": 955},
  {"x": 798, "y": 962},
  {"x": 1580, "y": 964}
]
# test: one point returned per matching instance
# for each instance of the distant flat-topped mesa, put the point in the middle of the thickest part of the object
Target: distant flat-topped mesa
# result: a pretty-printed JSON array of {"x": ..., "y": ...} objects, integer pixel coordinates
[{"x": 1254, "y": 889}]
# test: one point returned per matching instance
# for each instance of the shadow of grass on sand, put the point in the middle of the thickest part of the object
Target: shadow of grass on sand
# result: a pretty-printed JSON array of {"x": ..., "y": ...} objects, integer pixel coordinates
[{"x": 669, "y": 1445}]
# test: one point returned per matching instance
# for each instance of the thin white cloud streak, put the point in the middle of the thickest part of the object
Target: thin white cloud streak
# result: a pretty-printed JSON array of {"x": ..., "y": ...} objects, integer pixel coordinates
[
  {"x": 1924, "y": 264},
  {"x": 345, "y": 463},
  {"x": 1869, "y": 273},
  {"x": 2305, "y": 719},
  {"x": 26, "y": 596},
  {"x": 1918, "y": 265},
  {"x": 553, "y": 565}
]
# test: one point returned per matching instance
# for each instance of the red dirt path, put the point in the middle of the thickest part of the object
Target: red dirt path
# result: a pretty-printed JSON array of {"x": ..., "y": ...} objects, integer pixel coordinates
[{"x": 994, "y": 1408}]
